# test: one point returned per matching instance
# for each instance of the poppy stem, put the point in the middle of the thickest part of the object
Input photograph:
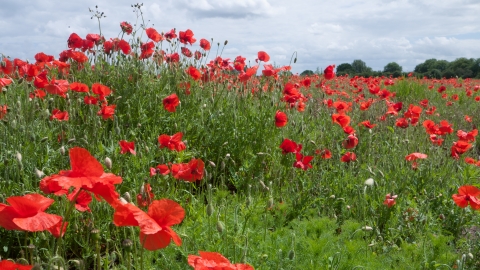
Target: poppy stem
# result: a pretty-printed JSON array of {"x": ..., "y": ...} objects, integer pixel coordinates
[{"x": 62, "y": 226}]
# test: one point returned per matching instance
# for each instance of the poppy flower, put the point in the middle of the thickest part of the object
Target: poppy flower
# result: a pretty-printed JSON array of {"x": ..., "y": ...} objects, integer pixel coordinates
[
  {"x": 107, "y": 112},
  {"x": 4, "y": 82},
  {"x": 205, "y": 44},
  {"x": 171, "y": 102},
  {"x": 214, "y": 260},
  {"x": 8, "y": 265},
  {"x": 367, "y": 124},
  {"x": 89, "y": 100},
  {"x": 324, "y": 153},
  {"x": 302, "y": 162},
  {"x": 126, "y": 27},
  {"x": 153, "y": 34},
  {"x": 79, "y": 87},
  {"x": 289, "y": 146},
  {"x": 101, "y": 90},
  {"x": 348, "y": 157},
  {"x": 26, "y": 213},
  {"x": 127, "y": 147},
  {"x": 329, "y": 73},
  {"x": 467, "y": 195},
  {"x": 37, "y": 93},
  {"x": 57, "y": 87},
  {"x": 86, "y": 173},
  {"x": 342, "y": 119},
  {"x": 186, "y": 37},
  {"x": 171, "y": 34},
  {"x": 349, "y": 130},
  {"x": 197, "y": 55},
  {"x": 467, "y": 136},
  {"x": 401, "y": 122},
  {"x": 59, "y": 115},
  {"x": 415, "y": 156},
  {"x": 458, "y": 148},
  {"x": 194, "y": 73},
  {"x": 82, "y": 200},
  {"x": 173, "y": 142},
  {"x": 190, "y": 171},
  {"x": 74, "y": 41},
  {"x": 186, "y": 51},
  {"x": 350, "y": 142},
  {"x": 263, "y": 56},
  {"x": 146, "y": 196},
  {"x": 390, "y": 200},
  {"x": 3, "y": 111},
  {"x": 6, "y": 66},
  {"x": 155, "y": 231},
  {"x": 161, "y": 169},
  {"x": 281, "y": 119}
]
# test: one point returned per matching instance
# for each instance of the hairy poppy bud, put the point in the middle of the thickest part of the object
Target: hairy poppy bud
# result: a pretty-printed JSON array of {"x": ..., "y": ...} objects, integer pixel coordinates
[
  {"x": 225, "y": 43},
  {"x": 19, "y": 157},
  {"x": 108, "y": 163},
  {"x": 127, "y": 244},
  {"x": 127, "y": 196},
  {"x": 210, "y": 210},
  {"x": 62, "y": 150},
  {"x": 270, "y": 203},
  {"x": 369, "y": 182},
  {"x": 220, "y": 226},
  {"x": 291, "y": 254},
  {"x": 39, "y": 173},
  {"x": 95, "y": 234},
  {"x": 367, "y": 228}
]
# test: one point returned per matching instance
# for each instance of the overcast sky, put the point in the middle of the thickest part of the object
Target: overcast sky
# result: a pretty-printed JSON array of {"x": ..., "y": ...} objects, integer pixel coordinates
[{"x": 321, "y": 32}]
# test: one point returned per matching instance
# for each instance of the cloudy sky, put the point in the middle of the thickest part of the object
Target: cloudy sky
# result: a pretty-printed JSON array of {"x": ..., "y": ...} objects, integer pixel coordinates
[{"x": 320, "y": 32}]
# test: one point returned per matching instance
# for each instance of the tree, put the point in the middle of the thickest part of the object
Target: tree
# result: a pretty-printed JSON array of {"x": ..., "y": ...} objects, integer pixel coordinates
[
  {"x": 359, "y": 66},
  {"x": 345, "y": 67},
  {"x": 392, "y": 67},
  {"x": 306, "y": 73}
]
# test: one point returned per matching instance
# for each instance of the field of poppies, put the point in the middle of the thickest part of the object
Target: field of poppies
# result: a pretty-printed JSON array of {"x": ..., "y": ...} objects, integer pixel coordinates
[{"x": 152, "y": 151}]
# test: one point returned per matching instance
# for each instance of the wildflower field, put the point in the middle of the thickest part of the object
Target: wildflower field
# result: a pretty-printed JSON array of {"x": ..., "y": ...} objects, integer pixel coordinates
[{"x": 150, "y": 151}]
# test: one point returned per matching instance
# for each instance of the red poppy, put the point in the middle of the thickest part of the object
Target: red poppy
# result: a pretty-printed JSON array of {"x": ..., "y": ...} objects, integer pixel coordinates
[
  {"x": 146, "y": 196},
  {"x": 3, "y": 111},
  {"x": 4, "y": 82},
  {"x": 172, "y": 58},
  {"x": 349, "y": 130},
  {"x": 37, "y": 93},
  {"x": 186, "y": 51},
  {"x": 127, "y": 147},
  {"x": 342, "y": 119},
  {"x": 467, "y": 136},
  {"x": 441, "y": 89},
  {"x": 82, "y": 200},
  {"x": 161, "y": 169},
  {"x": 348, "y": 157},
  {"x": 350, "y": 142},
  {"x": 467, "y": 195},
  {"x": 390, "y": 200},
  {"x": 190, "y": 171},
  {"x": 458, "y": 148},
  {"x": 26, "y": 213},
  {"x": 90, "y": 100},
  {"x": 281, "y": 119},
  {"x": 436, "y": 140},
  {"x": 95, "y": 38},
  {"x": 126, "y": 27},
  {"x": 8, "y": 265},
  {"x": 107, "y": 112},
  {"x": 415, "y": 156},
  {"x": 155, "y": 231},
  {"x": 86, "y": 173},
  {"x": 263, "y": 56},
  {"x": 79, "y": 87},
  {"x": 302, "y": 162},
  {"x": 197, "y": 55},
  {"x": 171, "y": 102},
  {"x": 205, "y": 44},
  {"x": 324, "y": 153},
  {"x": 186, "y": 37},
  {"x": 194, "y": 73},
  {"x": 402, "y": 122},
  {"x": 6, "y": 66},
  {"x": 289, "y": 146},
  {"x": 101, "y": 90},
  {"x": 171, "y": 34},
  {"x": 329, "y": 72},
  {"x": 468, "y": 118},
  {"x": 153, "y": 34},
  {"x": 57, "y": 87},
  {"x": 214, "y": 260},
  {"x": 367, "y": 124},
  {"x": 59, "y": 115},
  {"x": 74, "y": 41},
  {"x": 173, "y": 142}
]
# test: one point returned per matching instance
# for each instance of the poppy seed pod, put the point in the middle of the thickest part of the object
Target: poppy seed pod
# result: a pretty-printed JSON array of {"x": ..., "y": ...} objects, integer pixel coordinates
[
  {"x": 108, "y": 163},
  {"x": 291, "y": 254}
]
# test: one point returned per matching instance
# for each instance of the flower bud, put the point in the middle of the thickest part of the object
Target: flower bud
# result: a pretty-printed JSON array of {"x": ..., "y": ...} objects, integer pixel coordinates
[
  {"x": 220, "y": 226},
  {"x": 270, "y": 203},
  {"x": 39, "y": 173},
  {"x": 369, "y": 182},
  {"x": 367, "y": 228},
  {"x": 19, "y": 157},
  {"x": 62, "y": 150},
  {"x": 127, "y": 196},
  {"x": 210, "y": 210},
  {"x": 291, "y": 254},
  {"x": 108, "y": 163}
]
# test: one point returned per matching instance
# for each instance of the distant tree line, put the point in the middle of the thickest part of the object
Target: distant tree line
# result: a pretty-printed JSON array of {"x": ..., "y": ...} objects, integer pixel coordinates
[{"x": 431, "y": 68}]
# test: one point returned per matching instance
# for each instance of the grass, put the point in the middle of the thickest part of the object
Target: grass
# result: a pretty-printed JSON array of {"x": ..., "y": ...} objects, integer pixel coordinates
[{"x": 252, "y": 204}]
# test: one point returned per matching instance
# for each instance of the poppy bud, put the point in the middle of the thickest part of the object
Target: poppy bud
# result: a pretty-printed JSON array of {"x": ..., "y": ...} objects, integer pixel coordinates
[
  {"x": 210, "y": 210},
  {"x": 108, "y": 163},
  {"x": 211, "y": 163},
  {"x": 71, "y": 140},
  {"x": 62, "y": 150},
  {"x": 332, "y": 196},
  {"x": 95, "y": 234},
  {"x": 295, "y": 60},
  {"x": 76, "y": 263},
  {"x": 291, "y": 254},
  {"x": 369, "y": 182},
  {"x": 19, "y": 157},
  {"x": 127, "y": 196},
  {"x": 225, "y": 43},
  {"x": 270, "y": 203},
  {"x": 117, "y": 130},
  {"x": 249, "y": 201},
  {"x": 220, "y": 226},
  {"x": 222, "y": 165},
  {"x": 123, "y": 201},
  {"x": 13, "y": 124},
  {"x": 39, "y": 173},
  {"x": 367, "y": 228},
  {"x": 44, "y": 139},
  {"x": 147, "y": 149}
]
